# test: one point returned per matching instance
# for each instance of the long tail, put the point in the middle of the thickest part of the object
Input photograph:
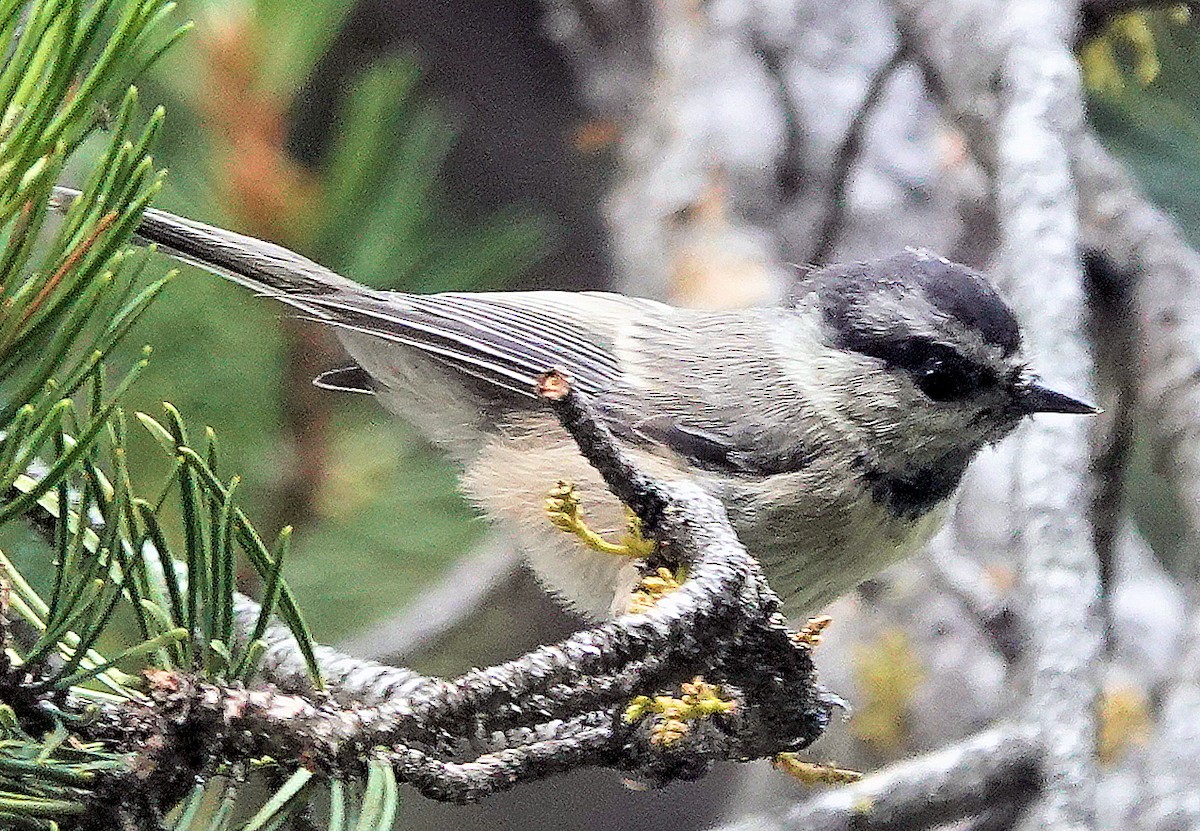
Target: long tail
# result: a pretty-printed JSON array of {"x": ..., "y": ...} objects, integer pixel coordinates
[
  {"x": 262, "y": 266},
  {"x": 505, "y": 339}
]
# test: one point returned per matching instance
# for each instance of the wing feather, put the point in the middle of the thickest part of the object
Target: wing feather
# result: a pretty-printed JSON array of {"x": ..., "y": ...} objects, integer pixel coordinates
[{"x": 506, "y": 339}]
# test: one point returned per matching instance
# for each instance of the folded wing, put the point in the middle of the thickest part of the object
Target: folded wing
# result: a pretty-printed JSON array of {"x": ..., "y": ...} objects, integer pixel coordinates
[{"x": 504, "y": 338}]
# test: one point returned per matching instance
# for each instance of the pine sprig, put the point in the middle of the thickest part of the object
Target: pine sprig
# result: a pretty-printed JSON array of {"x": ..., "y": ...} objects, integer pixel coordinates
[{"x": 67, "y": 299}]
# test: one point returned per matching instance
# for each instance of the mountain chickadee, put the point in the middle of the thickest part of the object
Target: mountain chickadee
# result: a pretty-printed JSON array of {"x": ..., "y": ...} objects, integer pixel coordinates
[{"x": 834, "y": 429}]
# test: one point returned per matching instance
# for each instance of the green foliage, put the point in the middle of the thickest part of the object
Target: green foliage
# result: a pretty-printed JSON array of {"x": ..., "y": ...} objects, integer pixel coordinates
[
  {"x": 293, "y": 35},
  {"x": 1151, "y": 119},
  {"x": 382, "y": 216},
  {"x": 300, "y": 32},
  {"x": 44, "y": 779},
  {"x": 135, "y": 580},
  {"x": 137, "y": 527}
]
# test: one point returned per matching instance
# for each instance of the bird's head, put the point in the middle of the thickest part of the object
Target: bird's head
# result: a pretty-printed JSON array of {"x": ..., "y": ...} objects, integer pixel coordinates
[{"x": 925, "y": 358}]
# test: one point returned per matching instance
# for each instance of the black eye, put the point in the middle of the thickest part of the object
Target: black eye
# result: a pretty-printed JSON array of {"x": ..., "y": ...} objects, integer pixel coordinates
[{"x": 939, "y": 371}]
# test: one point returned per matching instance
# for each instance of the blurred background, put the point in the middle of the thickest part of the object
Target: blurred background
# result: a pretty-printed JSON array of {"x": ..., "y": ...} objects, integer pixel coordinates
[{"x": 689, "y": 154}]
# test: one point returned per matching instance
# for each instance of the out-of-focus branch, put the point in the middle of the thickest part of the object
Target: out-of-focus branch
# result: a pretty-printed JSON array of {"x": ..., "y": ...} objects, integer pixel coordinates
[
  {"x": 992, "y": 768},
  {"x": 697, "y": 104},
  {"x": 967, "y": 581},
  {"x": 1037, "y": 131},
  {"x": 1026, "y": 129},
  {"x": 1170, "y": 779},
  {"x": 789, "y": 172},
  {"x": 1165, "y": 271},
  {"x": 1116, "y": 334},
  {"x": 1118, "y": 223},
  {"x": 1139, "y": 239},
  {"x": 847, "y": 154}
]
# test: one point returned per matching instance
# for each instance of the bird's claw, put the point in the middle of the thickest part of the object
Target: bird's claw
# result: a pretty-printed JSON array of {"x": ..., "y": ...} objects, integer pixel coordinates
[
  {"x": 698, "y": 699},
  {"x": 811, "y": 773},
  {"x": 652, "y": 588},
  {"x": 565, "y": 511}
]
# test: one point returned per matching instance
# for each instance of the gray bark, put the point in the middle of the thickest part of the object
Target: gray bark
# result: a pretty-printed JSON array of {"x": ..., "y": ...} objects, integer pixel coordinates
[{"x": 1038, "y": 127}]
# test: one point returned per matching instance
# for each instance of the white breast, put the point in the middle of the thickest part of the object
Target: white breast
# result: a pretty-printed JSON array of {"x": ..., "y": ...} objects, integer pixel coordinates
[{"x": 815, "y": 538}]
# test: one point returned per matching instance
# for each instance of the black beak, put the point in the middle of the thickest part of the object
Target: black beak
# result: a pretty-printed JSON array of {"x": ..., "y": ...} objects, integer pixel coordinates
[{"x": 1032, "y": 397}]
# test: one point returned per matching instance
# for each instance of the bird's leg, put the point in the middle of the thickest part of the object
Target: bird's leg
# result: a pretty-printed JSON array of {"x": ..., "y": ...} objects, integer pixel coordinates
[
  {"x": 633, "y": 539},
  {"x": 565, "y": 511},
  {"x": 812, "y": 773}
]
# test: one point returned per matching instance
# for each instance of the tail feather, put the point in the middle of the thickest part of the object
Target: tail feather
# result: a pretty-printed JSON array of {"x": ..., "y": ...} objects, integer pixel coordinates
[{"x": 266, "y": 268}]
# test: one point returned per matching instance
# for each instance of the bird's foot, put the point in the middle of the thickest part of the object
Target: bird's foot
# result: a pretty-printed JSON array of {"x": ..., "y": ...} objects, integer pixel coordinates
[
  {"x": 566, "y": 512},
  {"x": 696, "y": 700},
  {"x": 811, "y": 773},
  {"x": 653, "y": 587},
  {"x": 809, "y": 636}
]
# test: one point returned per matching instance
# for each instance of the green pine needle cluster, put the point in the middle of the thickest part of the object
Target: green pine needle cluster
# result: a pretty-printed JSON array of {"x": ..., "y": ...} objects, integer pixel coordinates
[
  {"x": 124, "y": 595},
  {"x": 374, "y": 207},
  {"x": 385, "y": 220}
]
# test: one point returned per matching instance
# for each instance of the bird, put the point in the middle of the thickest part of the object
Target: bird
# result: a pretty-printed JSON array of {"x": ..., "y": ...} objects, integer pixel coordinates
[{"x": 835, "y": 428}]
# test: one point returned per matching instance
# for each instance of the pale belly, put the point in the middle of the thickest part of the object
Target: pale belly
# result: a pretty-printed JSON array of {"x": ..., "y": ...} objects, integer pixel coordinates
[
  {"x": 815, "y": 542},
  {"x": 810, "y": 561}
]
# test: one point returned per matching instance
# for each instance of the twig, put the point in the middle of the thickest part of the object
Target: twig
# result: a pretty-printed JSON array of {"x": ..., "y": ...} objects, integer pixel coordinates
[
  {"x": 789, "y": 164},
  {"x": 847, "y": 154},
  {"x": 971, "y": 777},
  {"x": 966, "y": 582},
  {"x": 724, "y": 600},
  {"x": 382, "y": 698},
  {"x": 555, "y": 709},
  {"x": 348, "y": 680}
]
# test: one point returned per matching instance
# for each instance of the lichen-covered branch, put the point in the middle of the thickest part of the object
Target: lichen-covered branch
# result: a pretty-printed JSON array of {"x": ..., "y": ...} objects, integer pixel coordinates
[
  {"x": 1038, "y": 128},
  {"x": 1165, "y": 275},
  {"x": 557, "y": 708},
  {"x": 1026, "y": 129},
  {"x": 997, "y": 767}
]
